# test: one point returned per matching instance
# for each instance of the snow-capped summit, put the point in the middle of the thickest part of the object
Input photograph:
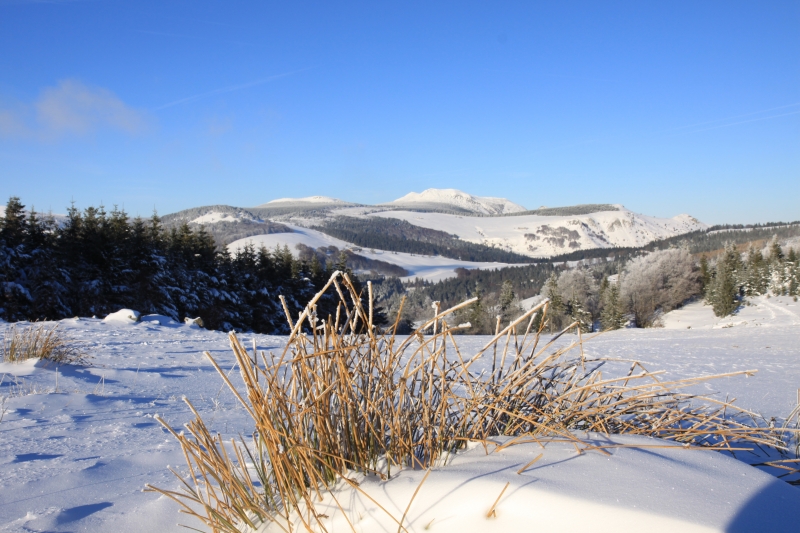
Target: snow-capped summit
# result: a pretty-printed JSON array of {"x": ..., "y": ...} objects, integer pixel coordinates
[
  {"x": 306, "y": 200},
  {"x": 461, "y": 200}
]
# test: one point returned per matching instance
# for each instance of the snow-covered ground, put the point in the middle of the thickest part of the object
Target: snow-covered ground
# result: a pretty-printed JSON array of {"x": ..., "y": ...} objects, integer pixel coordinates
[
  {"x": 78, "y": 444},
  {"x": 430, "y": 268},
  {"x": 768, "y": 311},
  {"x": 650, "y": 488}
]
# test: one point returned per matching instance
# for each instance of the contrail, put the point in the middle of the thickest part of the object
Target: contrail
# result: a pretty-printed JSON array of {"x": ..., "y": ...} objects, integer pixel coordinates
[{"x": 229, "y": 89}]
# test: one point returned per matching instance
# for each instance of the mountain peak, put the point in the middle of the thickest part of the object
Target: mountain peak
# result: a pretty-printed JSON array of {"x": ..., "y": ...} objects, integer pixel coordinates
[
  {"x": 486, "y": 205},
  {"x": 305, "y": 200}
]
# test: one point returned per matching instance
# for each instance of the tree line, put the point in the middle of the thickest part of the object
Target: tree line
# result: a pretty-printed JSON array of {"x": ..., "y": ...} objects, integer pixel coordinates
[{"x": 95, "y": 262}]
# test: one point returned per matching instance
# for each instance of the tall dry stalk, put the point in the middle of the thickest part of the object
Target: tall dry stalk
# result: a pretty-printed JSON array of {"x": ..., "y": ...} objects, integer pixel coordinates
[
  {"x": 343, "y": 397},
  {"x": 39, "y": 342}
]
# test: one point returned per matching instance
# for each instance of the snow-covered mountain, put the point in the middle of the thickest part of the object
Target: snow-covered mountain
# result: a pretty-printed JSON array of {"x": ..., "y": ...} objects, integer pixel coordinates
[
  {"x": 545, "y": 236},
  {"x": 449, "y": 199},
  {"x": 494, "y": 222}
]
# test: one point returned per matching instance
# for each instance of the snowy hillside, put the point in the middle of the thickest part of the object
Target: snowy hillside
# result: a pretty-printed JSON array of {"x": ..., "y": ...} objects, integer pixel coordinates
[
  {"x": 459, "y": 200},
  {"x": 544, "y": 236},
  {"x": 213, "y": 217},
  {"x": 429, "y": 268}
]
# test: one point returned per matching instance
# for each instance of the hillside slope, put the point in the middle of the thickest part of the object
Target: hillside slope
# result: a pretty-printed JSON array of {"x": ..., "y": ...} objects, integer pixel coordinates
[{"x": 546, "y": 236}]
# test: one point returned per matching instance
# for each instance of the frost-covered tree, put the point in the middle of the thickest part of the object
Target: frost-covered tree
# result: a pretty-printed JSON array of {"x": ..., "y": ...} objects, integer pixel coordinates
[
  {"x": 777, "y": 269},
  {"x": 579, "y": 290},
  {"x": 658, "y": 282},
  {"x": 793, "y": 272}
]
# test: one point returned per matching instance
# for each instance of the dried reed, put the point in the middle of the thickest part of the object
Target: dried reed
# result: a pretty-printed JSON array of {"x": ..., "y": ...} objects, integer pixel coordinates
[
  {"x": 343, "y": 397},
  {"x": 40, "y": 342}
]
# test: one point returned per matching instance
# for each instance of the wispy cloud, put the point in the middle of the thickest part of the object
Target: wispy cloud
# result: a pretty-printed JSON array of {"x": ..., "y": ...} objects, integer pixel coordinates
[
  {"x": 229, "y": 89},
  {"x": 185, "y": 36},
  {"x": 715, "y": 124},
  {"x": 71, "y": 108}
]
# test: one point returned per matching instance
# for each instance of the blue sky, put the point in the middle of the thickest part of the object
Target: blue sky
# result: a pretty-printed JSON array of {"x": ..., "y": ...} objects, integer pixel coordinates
[{"x": 665, "y": 107}]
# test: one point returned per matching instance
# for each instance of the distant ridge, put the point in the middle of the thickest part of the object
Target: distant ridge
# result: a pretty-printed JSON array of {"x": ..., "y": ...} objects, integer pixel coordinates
[
  {"x": 306, "y": 200},
  {"x": 569, "y": 211},
  {"x": 458, "y": 201}
]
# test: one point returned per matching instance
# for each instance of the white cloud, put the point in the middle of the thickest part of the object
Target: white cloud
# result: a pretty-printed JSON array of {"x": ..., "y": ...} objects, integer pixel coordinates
[{"x": 71, "y": 108}]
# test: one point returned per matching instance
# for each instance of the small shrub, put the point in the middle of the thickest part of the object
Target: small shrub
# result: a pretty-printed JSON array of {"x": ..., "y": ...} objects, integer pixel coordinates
[{"x": 40, "y": 342}]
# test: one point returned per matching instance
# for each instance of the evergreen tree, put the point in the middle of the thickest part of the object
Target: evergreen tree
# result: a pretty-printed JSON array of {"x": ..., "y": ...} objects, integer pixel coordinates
[
  {"x": 613, "y": 315},
  {"x": 16, "y": 298},
  {"x": 579, "y": 314},
  {"x": 793, "y": 272},
  {"x": 725, "y": 285},
  {"x": 757, "y": 274},
  {"x": 507, "y": 297},
  {"x": 556, "y": 308},
  {"x": 705, "y": 274},
  {"x": 777, "y": 281}
]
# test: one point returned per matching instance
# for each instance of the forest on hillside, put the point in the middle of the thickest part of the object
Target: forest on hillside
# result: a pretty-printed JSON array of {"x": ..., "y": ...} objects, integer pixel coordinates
[{"x": 395, "y": 235}]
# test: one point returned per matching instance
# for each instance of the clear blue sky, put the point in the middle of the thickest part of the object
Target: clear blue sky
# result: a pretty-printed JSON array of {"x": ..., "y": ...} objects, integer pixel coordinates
[{"x": 666, "y": 107}]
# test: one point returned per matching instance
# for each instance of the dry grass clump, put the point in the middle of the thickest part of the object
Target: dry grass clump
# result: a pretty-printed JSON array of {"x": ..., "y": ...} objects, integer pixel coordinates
[
  {"x": 343, "y": 397},
  {"x": 40, "y": 342}
]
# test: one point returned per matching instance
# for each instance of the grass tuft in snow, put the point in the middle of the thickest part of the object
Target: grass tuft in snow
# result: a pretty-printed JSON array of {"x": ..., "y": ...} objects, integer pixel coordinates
[
  {"x": 343, "y": 397},
  {"x": 39, "y": 342}
]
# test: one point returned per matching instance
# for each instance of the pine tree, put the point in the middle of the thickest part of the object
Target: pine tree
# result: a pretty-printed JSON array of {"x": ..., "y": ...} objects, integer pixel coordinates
[
  {"x": 15, "y": 298},
  {"x": 579, "y": 314},
  {"x": 705, "y": 274},
  {"x": 555, "y": 310},
  {"x": 777, "y": 274},
  {"x": 613, "y": 315},
  {"x": 793, "y": 272},
  {"x": 725, "y": 286},
  {"x": 506, "y": 300}
]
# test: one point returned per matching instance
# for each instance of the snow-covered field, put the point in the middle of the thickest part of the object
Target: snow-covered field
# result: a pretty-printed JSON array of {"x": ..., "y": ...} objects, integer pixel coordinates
[
  {"x": 78, "y": 444},
  {"x": 430, "y": 268}
]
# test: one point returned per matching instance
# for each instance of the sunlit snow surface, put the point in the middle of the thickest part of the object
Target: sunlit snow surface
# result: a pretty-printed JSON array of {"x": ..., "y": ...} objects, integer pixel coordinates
[{"x": 76, "y": 459}]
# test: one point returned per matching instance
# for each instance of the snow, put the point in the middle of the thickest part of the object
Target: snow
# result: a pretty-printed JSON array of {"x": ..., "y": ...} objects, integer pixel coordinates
[
  {"x": 123, "y": 316},
  {"x": 306, "y": 200},
  {"x": 431, "y": 268},
  {"x": 545, "y": 236},
  {"x": 75, "y": 457},
  {"x": 650, "y": 489},
  {"x": 212, "y": 217},
  {"x": 484, "y": 205},
  {"x": 768, "y": 311}
]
